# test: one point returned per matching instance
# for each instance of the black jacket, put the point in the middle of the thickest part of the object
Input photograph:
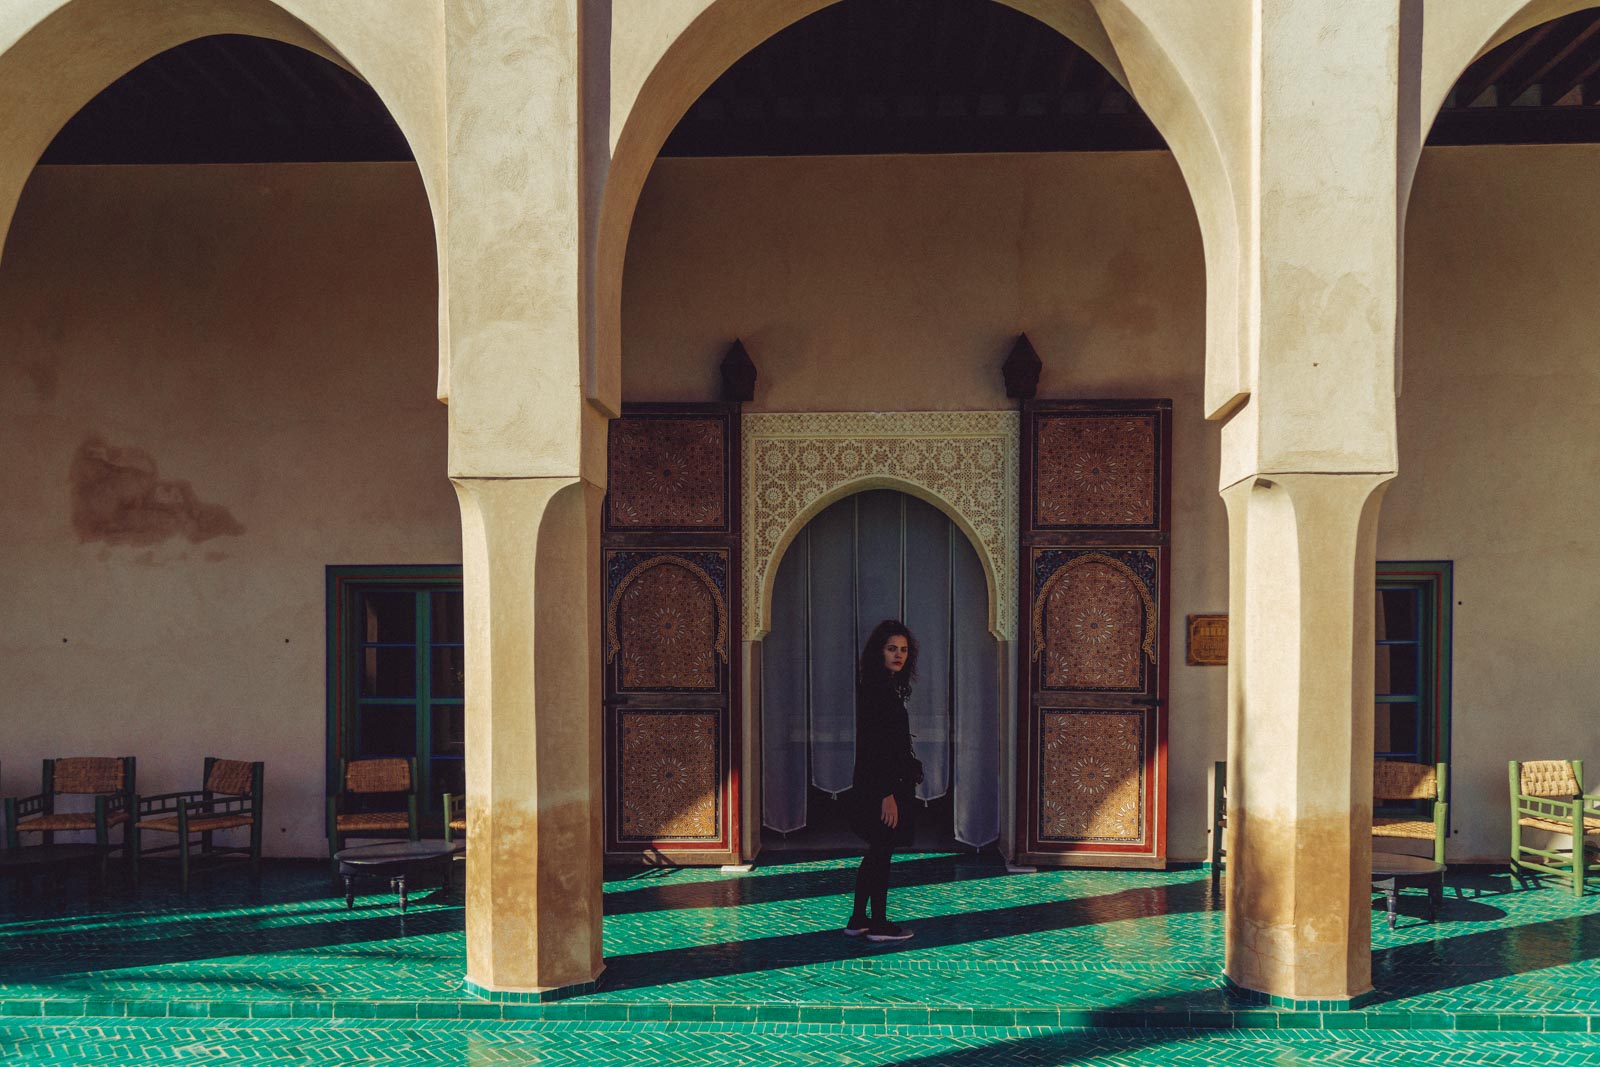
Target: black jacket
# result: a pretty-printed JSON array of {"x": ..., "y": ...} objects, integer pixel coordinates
[{"x": 883, "y": 742}]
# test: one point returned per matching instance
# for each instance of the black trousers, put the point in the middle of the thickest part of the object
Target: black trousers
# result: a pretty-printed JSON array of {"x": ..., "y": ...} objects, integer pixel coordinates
[{"x": 872, "y": 877}]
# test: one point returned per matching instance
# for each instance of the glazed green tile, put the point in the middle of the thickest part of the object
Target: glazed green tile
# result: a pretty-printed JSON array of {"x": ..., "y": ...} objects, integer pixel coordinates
[
  {"x": 694, "y": 1013},
  {"x": 907, "y": 1016},
  {"x": 1522, "y": 1023},
  {"x": 1565, "y": 1024},
  {"x": 1256, "y": 1020},
  {"x": 436, "y": 1009},
  {"x": 729, "y": 1013},
  {"x": 1389, "y": 1020},
  {"x": 778, "y": 1013},
  {"x": 1436, "y": 1020},
  {"x": 1477, "y": 1021},
  {"x": 864, "y": 1016},
  {"x": 1300, "y": 1020},
  {"x": 527, "y": 1011},
  {"x": 63, "y": 1007},
  {"x": 1032, "y": 1017},
  {"x": 270, "y": 1009},
  {"x": 649, "y": 1012},
  {"x": 819, "y": 1013},
  {"x": 229, "y": 1009},
  {"x": 993, "y": 1017},
  {"x": 603, "y": 1012},
  {"x": 1344, "y": 1020},
  {"x": 1211, "y": 1020},
  {"x": 478, "y": 1010},
  {"x": 148, "y": 1008},
  {"x": 949, "y": 1016}
]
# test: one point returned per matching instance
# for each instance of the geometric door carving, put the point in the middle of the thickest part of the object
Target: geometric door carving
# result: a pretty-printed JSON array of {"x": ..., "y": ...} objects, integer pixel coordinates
[
  {"x": 669, "y": 551},
  {"x": 1096, "y": 540}
]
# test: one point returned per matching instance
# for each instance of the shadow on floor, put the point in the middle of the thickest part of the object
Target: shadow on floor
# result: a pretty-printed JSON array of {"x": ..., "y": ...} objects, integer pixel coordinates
[{"x": 667, "y": 966}]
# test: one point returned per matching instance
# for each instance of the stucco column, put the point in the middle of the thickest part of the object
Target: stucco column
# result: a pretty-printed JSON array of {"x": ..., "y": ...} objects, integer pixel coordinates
[
  {"x": 1302, "y": 551},
  {"x": 1304, "y": 461},
  {"x": 530, "y": 563}
]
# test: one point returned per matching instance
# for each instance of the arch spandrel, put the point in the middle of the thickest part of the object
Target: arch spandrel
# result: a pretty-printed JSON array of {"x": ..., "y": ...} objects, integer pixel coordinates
[
  {"x": 57, "y": 55},
  {"x": 662, "y": 60},
  {"x": 962, "y": 462}
]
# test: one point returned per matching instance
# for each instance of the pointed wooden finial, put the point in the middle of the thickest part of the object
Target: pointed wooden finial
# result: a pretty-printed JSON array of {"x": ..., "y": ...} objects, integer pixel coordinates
[
  {"x": 738, "y": 375},
  {"x": 1021, "y": 370}
]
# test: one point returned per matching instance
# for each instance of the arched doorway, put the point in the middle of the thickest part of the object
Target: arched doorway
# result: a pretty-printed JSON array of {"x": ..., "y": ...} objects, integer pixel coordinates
[
  {"x": 875, "y": 555},
  {"x": 230, "y": 358}
]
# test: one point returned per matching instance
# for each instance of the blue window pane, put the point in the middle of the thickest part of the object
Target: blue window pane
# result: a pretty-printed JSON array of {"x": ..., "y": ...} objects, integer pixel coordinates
[
  {"x": 388, "y": 672},
  {"x": 1396, "y": 729},
  {"x": 387, "y": 618},
  {"x": 387, "y": 730},
  {"x": 449, "y": 676},
  {"x": 1397, "y": 614},
  {"x": 1395, "y": 670}
]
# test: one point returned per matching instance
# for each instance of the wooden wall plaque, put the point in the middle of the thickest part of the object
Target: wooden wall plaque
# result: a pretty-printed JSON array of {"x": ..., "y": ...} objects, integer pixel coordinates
[{"x": 1208, "y": 641}]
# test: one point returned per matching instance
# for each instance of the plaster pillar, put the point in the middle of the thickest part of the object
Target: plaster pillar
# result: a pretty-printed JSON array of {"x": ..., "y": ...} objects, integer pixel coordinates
[
  {"x": 1305, "y": 459},
  {"x": 527, "y": 457},
  {"x": 1302, "y": 551},
  {"x": 530, "y": 564}
]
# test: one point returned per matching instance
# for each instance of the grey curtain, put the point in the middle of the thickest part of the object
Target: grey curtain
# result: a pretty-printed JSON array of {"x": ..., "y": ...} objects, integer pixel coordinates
[{"x": 873, "y": 556}]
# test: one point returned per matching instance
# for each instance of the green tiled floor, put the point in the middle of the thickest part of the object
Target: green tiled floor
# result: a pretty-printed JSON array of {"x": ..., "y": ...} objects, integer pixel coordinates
[
  {"x": 1000, "y": 962},
  {"x": 112, "y": 1043}
]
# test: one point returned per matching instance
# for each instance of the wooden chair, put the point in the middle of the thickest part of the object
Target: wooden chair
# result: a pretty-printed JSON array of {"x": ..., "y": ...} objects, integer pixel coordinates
[
  {"x": 1400, "y": 780},
  {"x": 230, "y": 799},
  {"x": 108, "y": 779},
  {"x": 373, "y": 777},
  {"x": 455, "y": 817},
  {"x": 1548, "y": 795},
  {"x": 1219, "y": 820}
]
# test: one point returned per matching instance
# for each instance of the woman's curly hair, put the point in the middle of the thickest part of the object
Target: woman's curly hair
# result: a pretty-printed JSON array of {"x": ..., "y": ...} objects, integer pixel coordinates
[{"x": 870, "y": 668}]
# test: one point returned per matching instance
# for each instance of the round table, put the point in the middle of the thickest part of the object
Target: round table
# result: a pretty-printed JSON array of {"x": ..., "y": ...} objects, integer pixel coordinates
[
  {"x": 1392, "y": 872},
  {"x": 394, "y": 860}
]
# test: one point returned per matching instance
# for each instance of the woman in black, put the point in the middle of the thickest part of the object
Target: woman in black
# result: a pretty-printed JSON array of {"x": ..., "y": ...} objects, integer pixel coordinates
[{"x": 886, "y": 772}]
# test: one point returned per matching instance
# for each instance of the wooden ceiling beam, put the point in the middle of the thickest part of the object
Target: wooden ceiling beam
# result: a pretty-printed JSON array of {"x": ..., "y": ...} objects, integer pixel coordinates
[
  {"x": 1576, "y": 66},
  {"x": 1490, "y": 71},
  {"x": 1539, "y": 73}
]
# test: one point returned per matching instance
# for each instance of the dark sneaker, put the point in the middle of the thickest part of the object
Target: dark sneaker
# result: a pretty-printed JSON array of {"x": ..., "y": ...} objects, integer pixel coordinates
[
  {"x": 887, "y": 932},
  {"x": 857, "y": 926}
]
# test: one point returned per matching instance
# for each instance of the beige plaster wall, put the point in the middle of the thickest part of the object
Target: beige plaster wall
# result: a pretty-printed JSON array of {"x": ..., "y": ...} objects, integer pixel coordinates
[
  {"x": 266, "y": 334},
  {"x": 900, "y": 283},
  {"x": 1499, "y": 451}
]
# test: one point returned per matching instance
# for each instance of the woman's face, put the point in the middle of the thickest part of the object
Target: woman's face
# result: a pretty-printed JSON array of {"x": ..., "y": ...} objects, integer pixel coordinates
[{"x": 895, "y": 651}]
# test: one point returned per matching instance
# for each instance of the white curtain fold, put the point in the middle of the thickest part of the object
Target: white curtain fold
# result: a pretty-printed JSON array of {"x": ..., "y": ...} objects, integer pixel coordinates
[{"x": 874, "y": 556}]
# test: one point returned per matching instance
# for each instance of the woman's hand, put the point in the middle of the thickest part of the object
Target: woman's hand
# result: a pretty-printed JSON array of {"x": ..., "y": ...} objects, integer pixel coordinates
[{"x": 891, "y": 812}]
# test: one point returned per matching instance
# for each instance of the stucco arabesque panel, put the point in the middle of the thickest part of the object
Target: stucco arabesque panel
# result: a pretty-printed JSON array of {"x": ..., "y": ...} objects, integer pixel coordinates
[{"x": 963, "y": 462}]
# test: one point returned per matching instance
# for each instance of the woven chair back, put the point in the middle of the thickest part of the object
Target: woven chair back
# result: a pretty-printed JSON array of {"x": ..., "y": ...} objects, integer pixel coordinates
[
  {"x": 1399, "y": 780},
  {"x": 231, "y": 776},
  {"x": 378, "y": 776},
  {"x": 1549, "y": 778},
  {"x": 89, "y": 774}
]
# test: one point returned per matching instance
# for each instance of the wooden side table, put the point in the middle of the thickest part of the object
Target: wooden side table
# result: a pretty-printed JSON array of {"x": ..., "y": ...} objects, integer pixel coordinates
[{"x": 1392, "y": 872}]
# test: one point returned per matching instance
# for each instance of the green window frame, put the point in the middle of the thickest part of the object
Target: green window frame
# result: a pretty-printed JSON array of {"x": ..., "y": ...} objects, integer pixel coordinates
[
  {"x": 1411, "y": 705},
  {"x": 396, "y": 674}
]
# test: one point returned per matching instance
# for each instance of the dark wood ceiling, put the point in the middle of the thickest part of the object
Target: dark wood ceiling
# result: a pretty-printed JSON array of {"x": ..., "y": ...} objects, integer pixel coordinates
[
  {"x": 232, "y": 99},
  {"x": 860, "y": 76}
]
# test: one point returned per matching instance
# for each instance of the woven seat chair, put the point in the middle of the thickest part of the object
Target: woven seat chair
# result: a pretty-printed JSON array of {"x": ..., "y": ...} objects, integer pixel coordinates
[
  {"x": 1401, "y": 780},
  {"x": 108, "y": 779},
  {"x": 393, "y": 778},
  {"x": 230, "y": 799},
  {"x": 455, "y": 817},
  {"x": 1219, "y": 821},
  {"x": 1548, "y": 795}
]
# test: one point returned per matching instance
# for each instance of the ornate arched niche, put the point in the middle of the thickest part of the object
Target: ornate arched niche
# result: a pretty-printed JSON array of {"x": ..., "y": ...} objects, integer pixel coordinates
[{"x": 962, "y": 462}]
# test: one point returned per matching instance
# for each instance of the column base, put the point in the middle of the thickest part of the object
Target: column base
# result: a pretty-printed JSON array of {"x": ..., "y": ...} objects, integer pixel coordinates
[
  {"x": 537, "y": 996},
  {"x": 1272, "y": 1000}
]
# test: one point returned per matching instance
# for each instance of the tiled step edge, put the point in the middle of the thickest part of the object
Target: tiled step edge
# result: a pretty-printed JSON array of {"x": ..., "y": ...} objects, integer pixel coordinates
[{"x": 662, "y": 1011}]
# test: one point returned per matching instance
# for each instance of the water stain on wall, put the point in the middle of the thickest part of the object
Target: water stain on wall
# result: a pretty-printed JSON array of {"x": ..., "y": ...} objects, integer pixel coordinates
[{"x": 119, "y": 498}]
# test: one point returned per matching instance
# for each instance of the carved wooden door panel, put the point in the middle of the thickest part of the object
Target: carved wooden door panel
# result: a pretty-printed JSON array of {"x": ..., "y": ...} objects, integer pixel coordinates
[
  {"x": 670, "y": 567},
  {"x": 1092, "y": 670}
]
